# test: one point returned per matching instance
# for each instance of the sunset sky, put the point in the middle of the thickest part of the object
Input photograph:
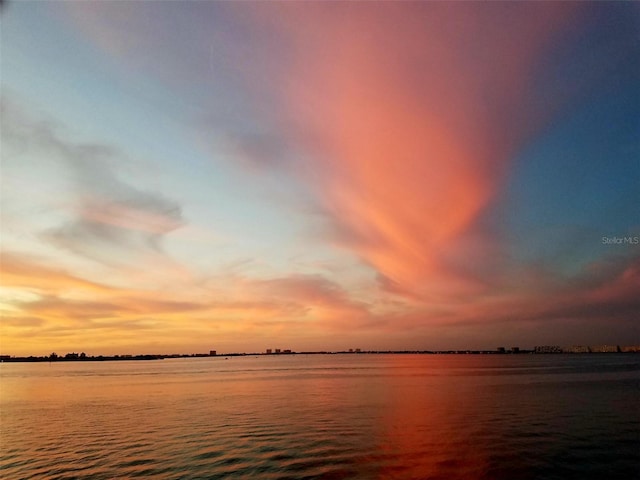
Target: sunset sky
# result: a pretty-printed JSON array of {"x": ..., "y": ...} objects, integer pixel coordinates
[{"x": 187, "y": 176}]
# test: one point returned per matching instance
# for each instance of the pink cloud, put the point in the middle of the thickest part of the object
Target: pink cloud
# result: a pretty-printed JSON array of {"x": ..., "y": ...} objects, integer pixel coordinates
[{"x": 407, "y": 106}]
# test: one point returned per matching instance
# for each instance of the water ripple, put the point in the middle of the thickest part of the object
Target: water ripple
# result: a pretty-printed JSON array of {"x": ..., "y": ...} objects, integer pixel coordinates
[{"x": 367, "y": 421}]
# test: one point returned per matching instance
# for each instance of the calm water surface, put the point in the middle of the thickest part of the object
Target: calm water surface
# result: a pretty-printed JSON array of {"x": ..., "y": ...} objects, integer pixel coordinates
[{"x": 324, "y": 416}]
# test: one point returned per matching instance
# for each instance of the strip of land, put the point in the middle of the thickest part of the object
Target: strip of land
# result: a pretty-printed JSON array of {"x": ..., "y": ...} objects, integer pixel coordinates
[{"x": 538, "y": 350}]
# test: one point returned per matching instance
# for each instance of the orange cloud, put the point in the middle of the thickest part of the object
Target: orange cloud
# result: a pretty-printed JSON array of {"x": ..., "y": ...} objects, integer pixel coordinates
[
  {"x": 60, "y": 309},
  {"x": 23, "y": 272}
]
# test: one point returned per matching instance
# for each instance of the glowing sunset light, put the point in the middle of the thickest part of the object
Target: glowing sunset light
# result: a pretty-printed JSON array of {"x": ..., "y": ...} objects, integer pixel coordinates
[{"x": 191, "y": 176}]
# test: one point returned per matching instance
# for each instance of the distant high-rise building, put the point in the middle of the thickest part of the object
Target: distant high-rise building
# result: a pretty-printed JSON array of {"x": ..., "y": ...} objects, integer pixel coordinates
[
  {"x": 277, "y": 350},
  {"x": 547, "y": 349},
  {"x": 268, "y": 351},
  {"x": 212, "y": 353}
]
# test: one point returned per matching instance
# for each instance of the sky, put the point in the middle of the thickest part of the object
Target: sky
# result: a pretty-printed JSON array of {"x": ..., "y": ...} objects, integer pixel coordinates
[{"x": 179, "y": 177}]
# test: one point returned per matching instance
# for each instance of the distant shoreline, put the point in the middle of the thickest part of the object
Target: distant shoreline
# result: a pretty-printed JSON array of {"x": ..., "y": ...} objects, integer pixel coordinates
[{"x": 74, "y": 357}]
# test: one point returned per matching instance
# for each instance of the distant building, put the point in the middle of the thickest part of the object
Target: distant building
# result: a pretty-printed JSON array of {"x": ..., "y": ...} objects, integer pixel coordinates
[
  {"x": 357, "y": 350},
  {"x": 268, "y": 351},
  {"x": 501, "y": 350},
  {"x": 603, "y": 349},
  {"x": 212, "y": 353},
  {"x": 277, "y": 350},
  {"x": 547, "y": 349},
  {"x": 630, "y": 348},
  {"x": 286, "y": 351},
  {"x": 577, "y": 349},
  {"x": 515, "y": 349}
]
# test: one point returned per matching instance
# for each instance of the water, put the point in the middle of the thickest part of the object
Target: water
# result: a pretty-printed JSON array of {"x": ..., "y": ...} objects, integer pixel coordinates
[{"x": 324, "y": 416}]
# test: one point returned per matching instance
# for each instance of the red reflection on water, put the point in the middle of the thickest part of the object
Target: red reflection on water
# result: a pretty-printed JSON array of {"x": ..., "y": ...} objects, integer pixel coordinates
[{"x": 427, "y": 423}]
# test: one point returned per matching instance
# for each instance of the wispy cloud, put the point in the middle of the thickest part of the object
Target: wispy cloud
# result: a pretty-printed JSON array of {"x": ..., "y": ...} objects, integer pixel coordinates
[{"x": 111, "y": 220}]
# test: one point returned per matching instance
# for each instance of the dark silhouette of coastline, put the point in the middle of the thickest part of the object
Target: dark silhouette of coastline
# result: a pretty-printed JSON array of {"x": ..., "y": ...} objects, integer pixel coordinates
[{"x": 539, "y": 350}]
